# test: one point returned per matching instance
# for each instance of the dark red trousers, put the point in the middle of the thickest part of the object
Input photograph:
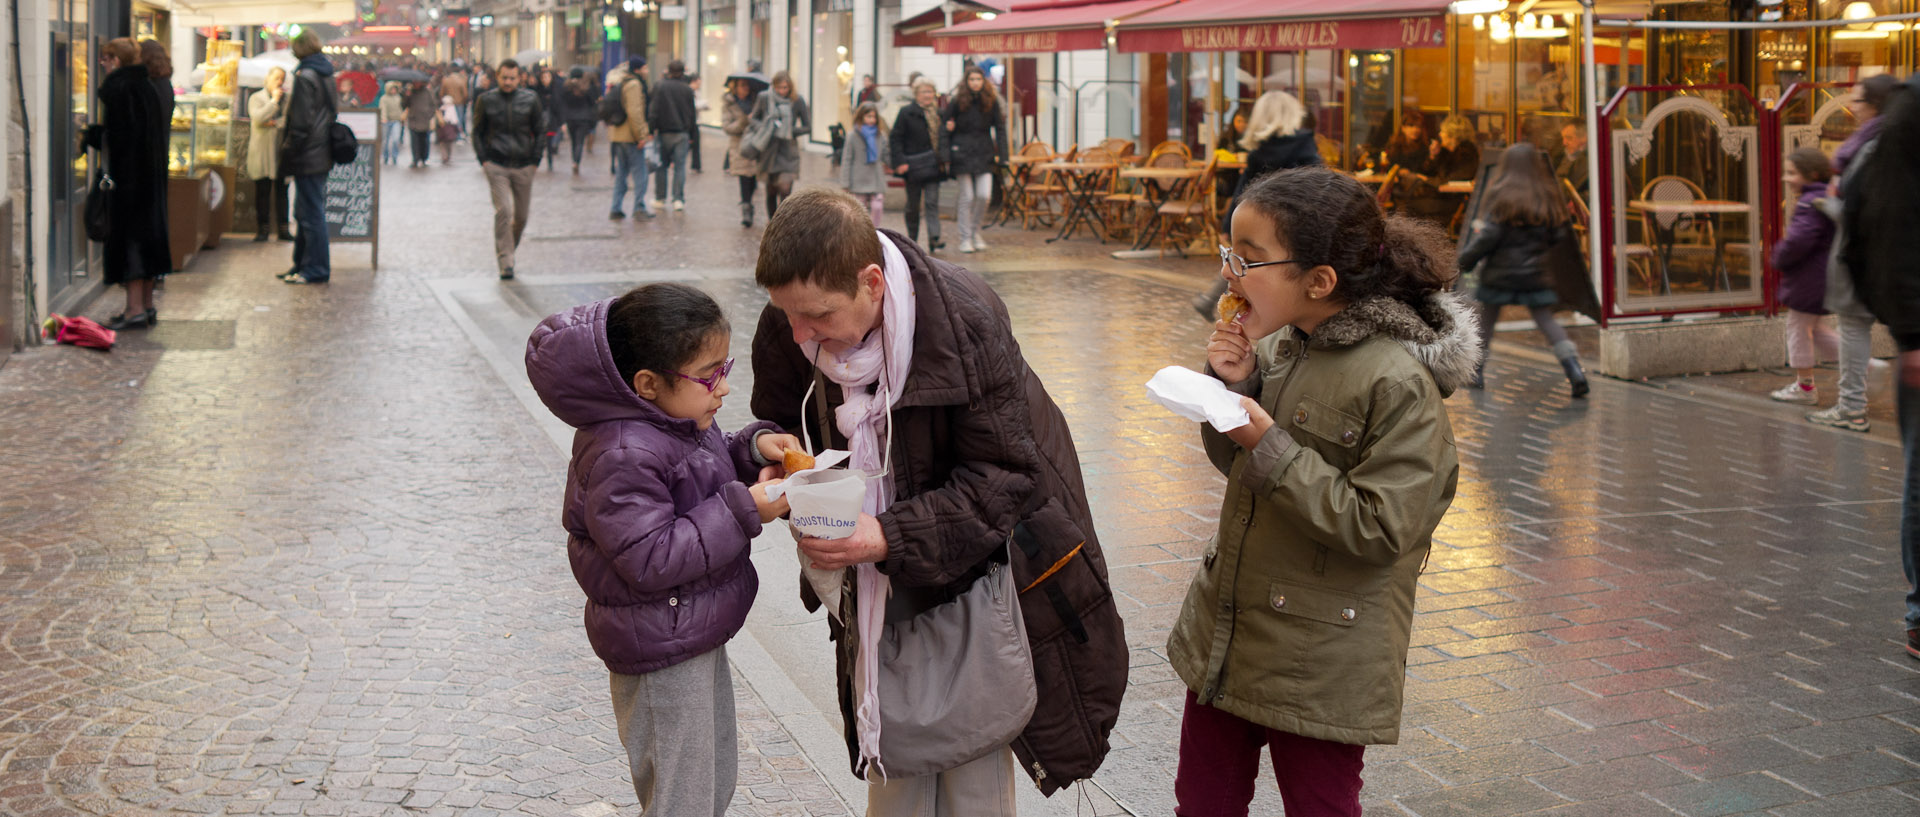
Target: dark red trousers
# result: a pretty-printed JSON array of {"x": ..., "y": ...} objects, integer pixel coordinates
[{"x": 1220, "y": 757}]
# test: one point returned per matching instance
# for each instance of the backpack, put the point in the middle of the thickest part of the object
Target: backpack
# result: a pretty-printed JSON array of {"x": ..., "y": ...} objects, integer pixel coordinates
[{"x": 612, "y": 108}]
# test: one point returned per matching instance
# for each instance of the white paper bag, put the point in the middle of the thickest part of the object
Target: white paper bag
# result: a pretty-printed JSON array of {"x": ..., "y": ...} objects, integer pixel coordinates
[{"x": 1198, "y": 397}]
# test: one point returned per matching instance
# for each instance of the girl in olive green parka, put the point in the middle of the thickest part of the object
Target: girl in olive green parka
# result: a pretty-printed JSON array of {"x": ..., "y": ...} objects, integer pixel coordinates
[{"x": 1294, "y": 632}]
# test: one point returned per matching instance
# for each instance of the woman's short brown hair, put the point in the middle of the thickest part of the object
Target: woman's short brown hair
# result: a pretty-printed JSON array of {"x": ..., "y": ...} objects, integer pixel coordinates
[
  {"x": 821, "y": 236},
  {"x": 159, "y": 65},
  {"x": 123, "y": 49}
]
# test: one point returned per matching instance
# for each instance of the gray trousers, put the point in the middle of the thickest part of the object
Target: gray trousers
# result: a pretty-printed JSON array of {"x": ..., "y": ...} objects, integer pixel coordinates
[
  {"x": 677, "y": 726},
  {"x": 512, "y": 191},
  {"x": 983, "y": 788},
  {"x": 1856, "y": 349}
]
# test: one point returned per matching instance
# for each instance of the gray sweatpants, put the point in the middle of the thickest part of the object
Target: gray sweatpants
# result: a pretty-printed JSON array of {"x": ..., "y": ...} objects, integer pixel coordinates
[{"x": 677, "y": 725}]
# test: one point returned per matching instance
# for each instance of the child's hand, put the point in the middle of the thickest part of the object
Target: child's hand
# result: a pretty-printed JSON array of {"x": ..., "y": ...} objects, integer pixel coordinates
[
  {"x": 770, "y": 509},
  {"x": 773, "y": 447},
  {"x": 1229, "y": 353},
  {"x": 1248, "y": 436}
]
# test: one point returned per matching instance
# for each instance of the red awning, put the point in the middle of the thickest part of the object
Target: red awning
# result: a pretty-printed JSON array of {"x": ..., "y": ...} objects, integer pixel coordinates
[
  {"x": 384, "y": 39},
  {"x": 918, "y": 29},
  {"x": 1286, "y": 25},
  {"x": 1043, "y": 27}
]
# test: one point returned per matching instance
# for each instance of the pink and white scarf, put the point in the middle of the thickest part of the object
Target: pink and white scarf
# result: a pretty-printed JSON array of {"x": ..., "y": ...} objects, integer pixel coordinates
[{"x": 882, "y": 358}]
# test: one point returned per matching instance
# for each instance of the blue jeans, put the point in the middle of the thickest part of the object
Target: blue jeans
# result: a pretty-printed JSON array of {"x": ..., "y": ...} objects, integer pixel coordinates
[
  {"x": 674, "y": 149},
  {"x": 310, "y": 215},
  {"x": 629, "y": 160},
  {"x": 396, "y": 137},
  {"x": 1910, "y": 505}
]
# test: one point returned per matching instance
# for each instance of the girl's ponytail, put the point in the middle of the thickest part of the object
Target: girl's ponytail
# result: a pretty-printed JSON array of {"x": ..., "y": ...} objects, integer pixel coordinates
[
  {"x": 1328, "y": 218},
  {"x": 1416, "y": 262}
]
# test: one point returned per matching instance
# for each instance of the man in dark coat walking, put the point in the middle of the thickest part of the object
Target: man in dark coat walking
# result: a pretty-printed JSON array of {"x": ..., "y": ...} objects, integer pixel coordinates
[
  {"x": 509, "y": 135},
  {"x": 671, "y": 113},
  {"x": 980, "y": 455},
  {"x": 306, "y": 154}
]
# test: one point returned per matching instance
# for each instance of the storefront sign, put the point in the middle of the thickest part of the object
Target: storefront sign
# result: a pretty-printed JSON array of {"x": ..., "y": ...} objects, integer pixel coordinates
[
  {"x": 1386, "y": 33},
  {"x": 673, "y": 12},
  {"x": 1023, "y": 42}
]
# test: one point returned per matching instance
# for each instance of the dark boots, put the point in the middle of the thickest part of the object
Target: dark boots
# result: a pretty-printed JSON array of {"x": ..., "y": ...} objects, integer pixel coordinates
[{"x": 1570, "y": 363}]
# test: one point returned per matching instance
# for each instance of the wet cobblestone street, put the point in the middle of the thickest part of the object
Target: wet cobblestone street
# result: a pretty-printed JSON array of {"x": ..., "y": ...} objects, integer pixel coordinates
[{"x": 296, "y": 551}]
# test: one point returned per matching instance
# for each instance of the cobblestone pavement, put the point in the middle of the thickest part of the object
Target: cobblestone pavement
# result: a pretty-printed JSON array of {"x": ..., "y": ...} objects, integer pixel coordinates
[{"x": 294, "y": 552}]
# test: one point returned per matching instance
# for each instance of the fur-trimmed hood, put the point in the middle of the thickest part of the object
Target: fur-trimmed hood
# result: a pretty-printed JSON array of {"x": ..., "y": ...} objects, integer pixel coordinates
[{"x": 1443, "y": 333}]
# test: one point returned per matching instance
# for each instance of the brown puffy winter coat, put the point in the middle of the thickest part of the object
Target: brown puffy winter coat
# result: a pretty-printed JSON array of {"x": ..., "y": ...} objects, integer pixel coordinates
[{"x": 980, "y": 453}]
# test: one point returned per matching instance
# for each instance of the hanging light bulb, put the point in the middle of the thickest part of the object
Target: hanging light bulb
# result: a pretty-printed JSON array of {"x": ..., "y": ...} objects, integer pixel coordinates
[{"x": 1479, "y": 22}]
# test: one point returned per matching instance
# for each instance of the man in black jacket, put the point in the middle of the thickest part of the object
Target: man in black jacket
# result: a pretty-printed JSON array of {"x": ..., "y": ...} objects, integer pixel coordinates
[
  {"x": 671, "y": 114},
  {"x": 509, "y": 132},
  {"x": 306, "y": 156}
]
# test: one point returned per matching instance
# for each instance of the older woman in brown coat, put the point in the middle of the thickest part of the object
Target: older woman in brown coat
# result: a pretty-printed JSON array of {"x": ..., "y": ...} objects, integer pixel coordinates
[{"x": 735, "y": 113}]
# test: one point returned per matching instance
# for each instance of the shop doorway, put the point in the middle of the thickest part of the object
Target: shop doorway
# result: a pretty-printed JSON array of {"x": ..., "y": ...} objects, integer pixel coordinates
[{"x": 70, "y": 99}]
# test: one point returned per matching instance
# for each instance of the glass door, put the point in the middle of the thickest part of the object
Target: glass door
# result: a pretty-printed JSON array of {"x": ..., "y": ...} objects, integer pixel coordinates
[{"x": 69, "y": 104}]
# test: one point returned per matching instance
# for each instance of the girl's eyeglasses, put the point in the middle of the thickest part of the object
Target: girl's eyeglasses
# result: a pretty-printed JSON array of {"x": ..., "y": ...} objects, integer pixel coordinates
[
  {"x": 710, "y": 382},
  {"x": 1239, "y": 266}
]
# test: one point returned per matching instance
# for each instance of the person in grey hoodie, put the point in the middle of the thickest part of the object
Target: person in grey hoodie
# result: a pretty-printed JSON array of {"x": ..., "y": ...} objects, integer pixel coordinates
[
  {"x": 863, "y": 161},
  {"x": 659, "y": 520}
]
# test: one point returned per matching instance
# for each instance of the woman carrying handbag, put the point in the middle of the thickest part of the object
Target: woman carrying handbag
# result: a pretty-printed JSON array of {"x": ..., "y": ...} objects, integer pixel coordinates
[
  {"x": 132, "y": 133},
  {"x": 919, "y": 145}
]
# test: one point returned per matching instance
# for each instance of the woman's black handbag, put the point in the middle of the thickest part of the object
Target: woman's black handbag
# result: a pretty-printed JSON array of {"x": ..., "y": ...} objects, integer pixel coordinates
[
  {"x": 99, "y": 221},
  {"x": 922, "y": 167}
]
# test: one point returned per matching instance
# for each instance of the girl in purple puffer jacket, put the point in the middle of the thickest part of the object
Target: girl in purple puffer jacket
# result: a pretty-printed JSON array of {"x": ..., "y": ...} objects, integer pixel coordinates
[
  {"x": 1801, "y": 258},
  {"x": 659, "y": 518}
]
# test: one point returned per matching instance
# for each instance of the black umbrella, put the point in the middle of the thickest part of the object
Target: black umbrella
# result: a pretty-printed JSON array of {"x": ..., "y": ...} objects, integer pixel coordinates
[
  {"x": 756, "y": 81},
  {"x": 402, "y": 75}
]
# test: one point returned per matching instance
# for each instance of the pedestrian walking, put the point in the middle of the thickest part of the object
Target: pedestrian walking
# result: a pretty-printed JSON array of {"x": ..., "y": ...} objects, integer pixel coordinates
[
  {"x": 393, "y": 118},
  {"x": 1849, "y": 411},
  {"x": 927, "y": 368},
  {"x": 1526, "y": 217},
  {"x": 1801, "y": 258},
  {"x": 735, "y": 114},
  {"x": 791, "y": 121},
  {"x": 509, "y": 133},
  {"x": 132, "y": 133},
  {"x": 660, "y": 524},
  {"x": 573, "y": 105},
  {"x": 456, "y": 83},
  {"x": 864, "y": 161},
  {"x": 671, "y": 113},
  {"x": 446, "y": 128},
  {"x": 1328, "y": 517},
  {"x": 422, "y": 106},
  {"x": 306, "y": 154},
  {"x": 630, "y": 136},
  {"x": 266, "y": 110},
  {"x": 548, "y": 91},
  {"x": 918, "y": 148},
  {"x": 1277, "y": 138},
  {"x": 1882, "y": 215},
  {"x": 978, "y": 124}
]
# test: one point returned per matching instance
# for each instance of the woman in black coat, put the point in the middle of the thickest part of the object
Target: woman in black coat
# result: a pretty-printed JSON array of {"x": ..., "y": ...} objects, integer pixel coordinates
[
  {"x": 978, "y": 123},
  {"x": 133, "y": 134},
  {"x": 919, "y": 135},
  {"x": 573, "y": 106}
]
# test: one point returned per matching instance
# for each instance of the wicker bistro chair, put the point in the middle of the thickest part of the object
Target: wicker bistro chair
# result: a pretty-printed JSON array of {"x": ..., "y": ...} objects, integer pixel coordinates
[
  {"x": 1693, "y": 236},
  {"x": 1639, "y": 256},
  {"x": 1179, "y": 147},
  {"x": 1044, "y": 198},
  {"x": 1127, "y": 206},
  {"x": 1191, "y": 217},
  {"x": 1120, "y": 148}
]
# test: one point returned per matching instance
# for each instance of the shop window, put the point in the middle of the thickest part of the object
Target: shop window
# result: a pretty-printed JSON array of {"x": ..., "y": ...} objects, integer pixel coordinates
[
  {"x": 832, "y": 72},
  {"x": 1546, "y": 85},
  {"x": 1323, "y": 90},
  {"x": 1374, "y": 120},
  {"x": 1860, "y": 50},
  {"x": 1485, "y": 69}
]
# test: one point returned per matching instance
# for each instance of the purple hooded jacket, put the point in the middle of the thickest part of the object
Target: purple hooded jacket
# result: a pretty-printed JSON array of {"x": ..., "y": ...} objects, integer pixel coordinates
[
  {"x": 657, "y": 512},
  {"x": 1801, "y": 255}
]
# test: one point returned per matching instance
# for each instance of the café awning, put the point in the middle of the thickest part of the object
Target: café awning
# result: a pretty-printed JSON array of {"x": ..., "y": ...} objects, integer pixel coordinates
[
  {"x": 380, "y": 39},
  {"x": 261, "y": 12},
  {"x": 1044, "y": 27},
  {"x": 1285, "y": 25},
  {"x": 918, "y": 29}
]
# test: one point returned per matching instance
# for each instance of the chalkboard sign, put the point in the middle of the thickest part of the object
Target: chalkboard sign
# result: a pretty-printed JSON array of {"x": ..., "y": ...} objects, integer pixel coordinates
[
  {"x": 350, "y": 198},
  {"x": 353, "y": 190}
]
